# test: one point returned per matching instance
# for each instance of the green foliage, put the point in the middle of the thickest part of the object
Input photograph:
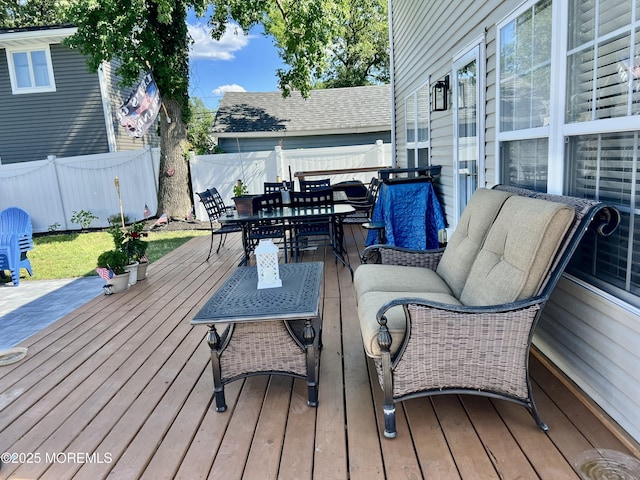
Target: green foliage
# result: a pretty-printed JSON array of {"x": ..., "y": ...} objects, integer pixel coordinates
[
  {"x": 130, "y": 240},
  {"x": 359, "y": 54},
  {"x": 240, "y": 189},
  {"x": 32, "y": 13},
  {"x": 83, "y": 218},
  {"x": 116, "y": 219},
  {"x": 53, "y": 227},
  {"x": 142, "y": 35},
  {"x": 115, "y": 260},
  {"x": 199, "y": 128}
]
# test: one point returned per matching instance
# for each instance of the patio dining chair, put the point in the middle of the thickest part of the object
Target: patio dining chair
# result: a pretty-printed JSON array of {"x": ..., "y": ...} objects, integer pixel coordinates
[
  {"x": 311, "y": 185},
  {"x": 271, "y": 229},
  {"x": 273, "y": 187},
  {"x": 320, "y": 231},
  {"x": 215, "y": 207}
]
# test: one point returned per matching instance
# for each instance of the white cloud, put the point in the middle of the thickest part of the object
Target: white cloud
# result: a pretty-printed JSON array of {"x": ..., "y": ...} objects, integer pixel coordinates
[
  {"x": 220, "y": 91},
  {"x": 206, "y": 48}
]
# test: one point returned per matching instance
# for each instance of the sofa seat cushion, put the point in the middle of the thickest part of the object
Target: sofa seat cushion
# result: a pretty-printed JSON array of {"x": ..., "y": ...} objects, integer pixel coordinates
[
  {"x": 518, "y": 251},
  {"x": 369, "y": 304},
  {"x": 397, "y": 278}
]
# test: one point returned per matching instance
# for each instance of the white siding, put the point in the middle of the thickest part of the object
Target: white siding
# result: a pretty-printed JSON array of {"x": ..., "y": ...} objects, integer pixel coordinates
[{"x": 594, "y": 340}]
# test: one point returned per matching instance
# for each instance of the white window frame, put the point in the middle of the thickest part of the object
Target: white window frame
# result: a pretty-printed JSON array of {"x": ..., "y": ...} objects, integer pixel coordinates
[
  {"x": 555, "y": 162},
  {"x": 417, "y": 145},
  {"x": 12, "y": 72}
]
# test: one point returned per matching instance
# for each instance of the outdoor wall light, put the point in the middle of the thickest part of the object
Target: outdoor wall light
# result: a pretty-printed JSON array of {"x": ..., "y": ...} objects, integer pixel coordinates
[{"x": 440, "y": 95}]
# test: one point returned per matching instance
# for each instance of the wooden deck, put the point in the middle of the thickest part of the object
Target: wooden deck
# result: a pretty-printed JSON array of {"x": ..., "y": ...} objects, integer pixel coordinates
[{"x": 122, "y": 388}]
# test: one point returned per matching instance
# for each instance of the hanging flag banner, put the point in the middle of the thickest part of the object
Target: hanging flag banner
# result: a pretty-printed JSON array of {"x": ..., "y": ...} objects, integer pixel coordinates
[{"x": 141, "y": 109}]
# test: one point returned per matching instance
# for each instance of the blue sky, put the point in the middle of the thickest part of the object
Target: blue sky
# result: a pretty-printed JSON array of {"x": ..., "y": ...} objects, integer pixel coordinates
[{"x": 236, "y": 62}]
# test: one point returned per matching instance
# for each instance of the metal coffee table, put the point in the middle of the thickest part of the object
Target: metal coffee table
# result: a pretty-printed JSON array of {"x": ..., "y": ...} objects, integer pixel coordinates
[{"x": 269, "y": 331}]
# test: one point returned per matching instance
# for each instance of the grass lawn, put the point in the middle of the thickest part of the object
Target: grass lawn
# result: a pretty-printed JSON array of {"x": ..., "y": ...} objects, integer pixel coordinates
[{"x": 71, "y": 255}]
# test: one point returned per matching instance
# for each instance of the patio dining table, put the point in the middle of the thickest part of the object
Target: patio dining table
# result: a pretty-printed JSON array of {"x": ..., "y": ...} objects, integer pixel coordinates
[{"x": 290, "y": 215}]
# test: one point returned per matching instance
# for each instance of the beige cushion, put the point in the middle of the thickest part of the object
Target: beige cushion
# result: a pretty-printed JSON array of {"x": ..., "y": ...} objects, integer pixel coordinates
[
  {"x": 465, "y": 242},
  {"x": 369, "y": 304},
  {"x": 397, "y": 278},
  {"x": 517, "y": 252}
]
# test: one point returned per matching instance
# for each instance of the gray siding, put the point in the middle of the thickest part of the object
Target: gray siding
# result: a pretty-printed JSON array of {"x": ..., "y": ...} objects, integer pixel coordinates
[
  {"x": 67, "y": 122},
  {"x": 592, "y": 337},
  {"x": 259, "y": 144}
]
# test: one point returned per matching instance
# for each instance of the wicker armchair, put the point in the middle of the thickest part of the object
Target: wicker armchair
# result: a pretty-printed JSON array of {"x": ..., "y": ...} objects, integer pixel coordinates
[{"x": 461, "y": 319}]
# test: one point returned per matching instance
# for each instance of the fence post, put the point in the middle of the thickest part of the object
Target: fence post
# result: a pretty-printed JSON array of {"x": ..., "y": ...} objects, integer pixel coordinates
[
  {"x": 52, "y": 158},
  {"x": 380, "y": 152}
]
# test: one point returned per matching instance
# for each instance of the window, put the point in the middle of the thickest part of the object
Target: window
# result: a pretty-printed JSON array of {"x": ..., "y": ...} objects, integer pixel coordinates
[
  {"x": 31, "y": 70},
  {"x": 603, "y": 61},
  {"x": 603, "y": 87},
  {"x": 524, "y": 96},
  {"x": 417, "y": 127}
]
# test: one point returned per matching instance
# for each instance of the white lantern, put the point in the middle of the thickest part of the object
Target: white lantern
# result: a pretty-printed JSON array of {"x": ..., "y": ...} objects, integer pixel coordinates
[{"x": 267, "y": 264}]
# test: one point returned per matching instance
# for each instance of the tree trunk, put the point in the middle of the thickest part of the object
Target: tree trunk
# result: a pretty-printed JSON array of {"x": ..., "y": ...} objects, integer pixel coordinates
[{"x": 173, "y": 186}]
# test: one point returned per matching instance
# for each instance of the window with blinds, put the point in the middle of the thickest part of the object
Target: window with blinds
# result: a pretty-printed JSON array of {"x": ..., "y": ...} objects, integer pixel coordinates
[
  {"x": 605, "y": 167},
  {"x": 525, "y": 69},
  {"x": 603, "y": 61}
]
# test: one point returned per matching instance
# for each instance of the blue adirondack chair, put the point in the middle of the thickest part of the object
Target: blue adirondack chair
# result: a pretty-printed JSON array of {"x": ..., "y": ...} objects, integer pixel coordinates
[{"x": 15, "y": 241}]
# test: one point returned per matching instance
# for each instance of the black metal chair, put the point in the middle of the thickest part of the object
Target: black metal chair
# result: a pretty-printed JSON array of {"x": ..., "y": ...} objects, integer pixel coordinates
[
  {"x": 364, "y": 205},
  {"x": 273, "y": 187},
  {"x": 320, "y": 230},
  {"x": 215, "y": 207},
  {"x": 311, "y": 185},
  {"x": 272, "y": 229}
]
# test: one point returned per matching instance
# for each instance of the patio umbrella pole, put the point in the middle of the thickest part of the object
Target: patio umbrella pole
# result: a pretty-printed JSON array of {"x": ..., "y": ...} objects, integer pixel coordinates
[{"x": 116, "y": 181}]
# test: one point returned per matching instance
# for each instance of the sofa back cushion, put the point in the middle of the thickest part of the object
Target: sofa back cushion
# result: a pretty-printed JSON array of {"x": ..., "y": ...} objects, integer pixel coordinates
[
  {"x": 467, "y": 239},
  {"x": 518, "y": 251}
]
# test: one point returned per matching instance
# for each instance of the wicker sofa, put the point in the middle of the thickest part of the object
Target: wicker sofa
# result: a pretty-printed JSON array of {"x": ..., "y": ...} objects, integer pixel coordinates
[{"x": 461, "y": 319}]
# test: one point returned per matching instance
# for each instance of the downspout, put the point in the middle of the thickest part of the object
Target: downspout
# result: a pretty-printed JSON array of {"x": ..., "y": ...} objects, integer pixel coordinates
[{"x": 392, "y": 85}]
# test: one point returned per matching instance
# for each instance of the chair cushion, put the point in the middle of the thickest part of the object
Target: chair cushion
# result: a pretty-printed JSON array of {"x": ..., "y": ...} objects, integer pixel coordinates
[
  {"x": 518, "y": 251},
  {"x": 397, "y": 278},
  {"x": 369, "y": 304},
  {"x": 467, "y": 239}
]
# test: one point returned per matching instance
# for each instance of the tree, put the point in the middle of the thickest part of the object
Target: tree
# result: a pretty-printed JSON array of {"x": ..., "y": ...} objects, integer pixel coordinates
[
  {"x": 359, "y": 52},
  {"x": 146, "y": 35},
  {"x": 18, "y": 13},
  {"x": 199, "y": 128}
]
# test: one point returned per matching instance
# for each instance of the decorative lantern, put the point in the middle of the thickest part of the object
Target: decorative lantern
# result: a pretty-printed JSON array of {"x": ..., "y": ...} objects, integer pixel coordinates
[{"x": 267, "y": 264}]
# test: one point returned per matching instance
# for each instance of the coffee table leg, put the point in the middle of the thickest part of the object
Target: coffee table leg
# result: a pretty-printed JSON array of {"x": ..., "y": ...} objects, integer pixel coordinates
[
  {"x": 309, "y": 346},
  {"x": 218, "y": 388}
]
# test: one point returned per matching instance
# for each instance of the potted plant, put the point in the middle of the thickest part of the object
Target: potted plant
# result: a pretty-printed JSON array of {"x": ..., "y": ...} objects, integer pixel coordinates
[
  {"x": 130, "y": 241},
  {"x": 111, "y": 266},
  {"x": 243, "y": 201}
]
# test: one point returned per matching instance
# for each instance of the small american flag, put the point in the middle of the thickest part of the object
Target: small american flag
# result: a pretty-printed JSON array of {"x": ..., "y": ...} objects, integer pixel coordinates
[
  {"x": 144, "y": 258},
  {"x": 105, "y": 273},
  {"x": 147, "y": 212}
]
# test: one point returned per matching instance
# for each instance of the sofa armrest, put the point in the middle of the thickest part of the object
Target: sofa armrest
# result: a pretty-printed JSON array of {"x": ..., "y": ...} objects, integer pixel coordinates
[{"x": 389, "y": 255}]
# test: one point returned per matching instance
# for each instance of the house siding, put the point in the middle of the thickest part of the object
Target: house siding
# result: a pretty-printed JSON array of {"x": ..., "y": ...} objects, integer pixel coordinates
[
  {"x": 34, "y": 126},
  {"x": 258, "y": 144},
  {"x": 591, "y": 336}
]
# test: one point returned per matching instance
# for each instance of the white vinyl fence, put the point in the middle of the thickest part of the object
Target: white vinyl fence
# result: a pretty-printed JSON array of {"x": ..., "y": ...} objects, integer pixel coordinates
[
  {"x": 254, "y": 168},
  {"x": 51, "y": 190}
]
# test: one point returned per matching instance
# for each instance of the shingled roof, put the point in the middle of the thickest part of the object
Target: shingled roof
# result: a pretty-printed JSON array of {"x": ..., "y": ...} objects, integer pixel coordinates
[{"x": 325, "y": 112}]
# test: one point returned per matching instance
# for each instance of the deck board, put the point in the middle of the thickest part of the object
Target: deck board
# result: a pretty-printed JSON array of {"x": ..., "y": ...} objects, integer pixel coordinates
[{"x": 127, "y": 378}]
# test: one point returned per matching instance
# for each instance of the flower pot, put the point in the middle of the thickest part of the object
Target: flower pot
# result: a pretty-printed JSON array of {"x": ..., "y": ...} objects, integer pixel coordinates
[
  {"x": 132, "y": 270},
  {"x": 244, "y": 204},
  {"x": 119, "y": 283},
  {"x": 142, "y": 270}
]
